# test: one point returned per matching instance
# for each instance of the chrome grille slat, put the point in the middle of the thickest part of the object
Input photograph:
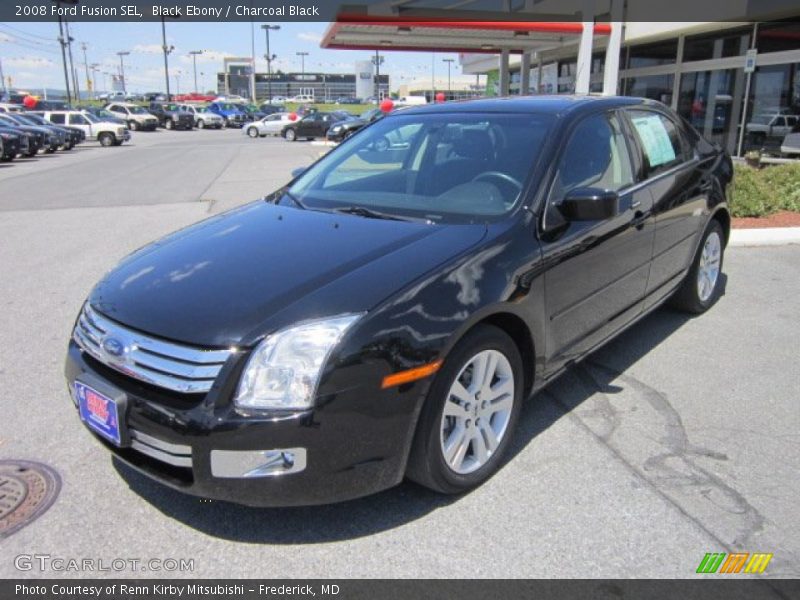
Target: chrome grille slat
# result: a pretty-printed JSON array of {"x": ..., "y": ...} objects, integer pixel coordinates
[
  {"x": 164, "y": 364},
  {"x": 174, "y": 454}
]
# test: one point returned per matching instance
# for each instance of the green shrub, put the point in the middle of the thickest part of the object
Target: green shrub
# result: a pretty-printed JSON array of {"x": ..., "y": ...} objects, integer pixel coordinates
[{"x": 764, "y": 191}]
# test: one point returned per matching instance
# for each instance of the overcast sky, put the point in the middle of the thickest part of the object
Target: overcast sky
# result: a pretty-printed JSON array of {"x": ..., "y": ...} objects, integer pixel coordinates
[{"x": 31, "y": 55}]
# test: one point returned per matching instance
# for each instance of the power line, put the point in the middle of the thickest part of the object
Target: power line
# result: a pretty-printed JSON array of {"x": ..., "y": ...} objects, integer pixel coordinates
[{"x": 25, "y": 33}]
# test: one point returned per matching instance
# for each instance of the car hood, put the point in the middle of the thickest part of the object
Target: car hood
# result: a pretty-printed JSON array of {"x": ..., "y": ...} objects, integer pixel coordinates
[{"x": 233, "y": 278}]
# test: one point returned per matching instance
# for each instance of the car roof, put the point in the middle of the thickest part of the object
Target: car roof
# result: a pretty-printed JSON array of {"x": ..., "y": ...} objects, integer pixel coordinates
[{"x": 552, "y": 104}]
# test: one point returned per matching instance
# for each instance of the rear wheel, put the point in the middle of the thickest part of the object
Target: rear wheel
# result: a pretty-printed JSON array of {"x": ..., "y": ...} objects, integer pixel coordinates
[
  {"x": 470, "y": 413},
  {"x": 106, "y": 139},
  {"x": 701, "y": 288},
  {"x": 252, "y": 132}
]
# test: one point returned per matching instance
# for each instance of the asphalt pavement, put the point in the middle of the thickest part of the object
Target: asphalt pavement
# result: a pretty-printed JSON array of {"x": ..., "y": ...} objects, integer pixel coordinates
[{"x": 677, "y": 439}]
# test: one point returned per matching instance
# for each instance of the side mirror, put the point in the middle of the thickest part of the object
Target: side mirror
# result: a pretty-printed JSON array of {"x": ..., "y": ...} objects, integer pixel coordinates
[
  {"x": 298, "y": 171},
  {"x": 590, "y": 204}
]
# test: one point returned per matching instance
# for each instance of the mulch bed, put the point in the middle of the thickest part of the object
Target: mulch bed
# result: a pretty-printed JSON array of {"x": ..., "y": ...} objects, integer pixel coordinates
[{"x": 784, "y": 218}]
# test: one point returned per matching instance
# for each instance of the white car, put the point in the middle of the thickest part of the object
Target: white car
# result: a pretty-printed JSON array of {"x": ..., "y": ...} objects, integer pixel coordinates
[
  {"x": 270, "y": 125},
  {"x": 302, "y": 99},
  {"x": 105, "y": 132},
  {"x": 203, "y": 118}
]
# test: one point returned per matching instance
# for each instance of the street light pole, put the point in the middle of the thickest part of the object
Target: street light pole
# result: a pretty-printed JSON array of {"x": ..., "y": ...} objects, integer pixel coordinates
[
  {"x": 449, "y": 62},
  {"x": 194, "y": 54},
  {"x": 377, "y": 60},
  {"x": 167, "y": 50},
  {"x": 63, "y": 42},
  {"x": 70, "y": 39},
  {"x": 270, "y": 58},
  {"x": 122, "y": 55},
  {"x": 94, "y": 67}
]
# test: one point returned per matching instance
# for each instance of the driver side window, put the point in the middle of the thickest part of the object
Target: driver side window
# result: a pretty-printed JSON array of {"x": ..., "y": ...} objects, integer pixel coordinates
[{"x": 596, "y": 156}]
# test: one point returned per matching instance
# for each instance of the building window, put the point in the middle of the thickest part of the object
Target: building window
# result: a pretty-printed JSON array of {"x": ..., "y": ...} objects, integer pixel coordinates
[
  {"x": 733, "y": 42},
  {"x": 651, "y": 55},
  {"x": 778, "y": 36},
  {"x": 655, "y": 87},
  {"x": 707, "y": 101}
]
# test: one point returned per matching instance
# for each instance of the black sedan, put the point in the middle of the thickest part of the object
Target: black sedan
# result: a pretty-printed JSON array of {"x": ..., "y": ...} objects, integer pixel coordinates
[
  {"x": 36, "y": 136},
  {"x": 12, "y": 144},
  {"x": 344, "y": 129},
  {"x": 53, "y": 137},
  {"x": 311, "y": 126},
  {"x": 386, "y": 313}
]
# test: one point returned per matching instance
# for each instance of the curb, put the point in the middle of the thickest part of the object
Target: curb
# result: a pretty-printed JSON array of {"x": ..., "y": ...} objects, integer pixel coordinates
[{"x": 767, "y": 236}]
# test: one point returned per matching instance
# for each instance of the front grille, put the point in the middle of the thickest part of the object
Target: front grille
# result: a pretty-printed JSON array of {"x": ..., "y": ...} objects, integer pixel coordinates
[{"x": 174, "y": 367}]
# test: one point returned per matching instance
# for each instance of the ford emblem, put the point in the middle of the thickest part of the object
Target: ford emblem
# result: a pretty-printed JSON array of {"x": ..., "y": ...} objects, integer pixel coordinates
[{"x": 113, "y": 347}]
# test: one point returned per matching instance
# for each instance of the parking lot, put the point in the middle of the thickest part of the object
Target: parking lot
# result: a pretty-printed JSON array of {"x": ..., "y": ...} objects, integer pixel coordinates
[{"x": 677, "y": 439}]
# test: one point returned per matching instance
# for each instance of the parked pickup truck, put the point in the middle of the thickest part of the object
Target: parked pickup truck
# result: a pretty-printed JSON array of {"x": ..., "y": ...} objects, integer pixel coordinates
[
  {"x": 170, "y": 115},
  {"x": 108, "y": 134},
  {"x": 230, "y": 112},
  {"x": 136, "y": 116}
]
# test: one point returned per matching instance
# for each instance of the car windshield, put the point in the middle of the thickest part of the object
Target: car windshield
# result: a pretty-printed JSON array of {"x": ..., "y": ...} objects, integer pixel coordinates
[
  {"x": 170, "y": 107},
  {"x": 137, "y": 110},
  {"x": 227, "y": 106},
  {"x": 458, "y": 167}
]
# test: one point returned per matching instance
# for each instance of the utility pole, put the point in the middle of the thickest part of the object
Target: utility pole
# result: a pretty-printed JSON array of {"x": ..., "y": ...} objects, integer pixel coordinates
[
  {"x": 377, "y": 60},
  {"x": 89, "y": 85},
  {"x": 270, "y": 58},
  {"x": 2, "y": 78},
  {"x": 122, "y": 70},
  {"x": 449, "y": 62},
  {"x": 194, "y": 54},
  {"x": 63, "y": 42},
  {"x": 75, "y": 85},
  {"x": 167, "y": 50},
  {"x": 177, "y": 83}
]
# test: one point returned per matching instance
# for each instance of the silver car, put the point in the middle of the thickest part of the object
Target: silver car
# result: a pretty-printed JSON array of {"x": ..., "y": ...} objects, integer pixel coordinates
[
  {"x": 270, "y": 125},
  {"x": 203, "y": 118}
]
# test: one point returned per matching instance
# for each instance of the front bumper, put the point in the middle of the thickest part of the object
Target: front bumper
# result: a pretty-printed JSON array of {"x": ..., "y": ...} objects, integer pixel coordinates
[{"x": 347, "y": 447}]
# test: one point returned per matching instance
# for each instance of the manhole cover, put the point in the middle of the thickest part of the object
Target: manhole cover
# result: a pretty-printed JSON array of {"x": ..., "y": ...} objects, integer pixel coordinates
[{"x": 27, "y": 490}]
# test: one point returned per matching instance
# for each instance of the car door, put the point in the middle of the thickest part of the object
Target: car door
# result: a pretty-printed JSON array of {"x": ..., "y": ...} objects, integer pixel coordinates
[
  {"x": 307, "y": 125},
  {"x": 78, "y": 120},
  {"x": 679, "y": 190},
  {"x": 596, "y": 271}
]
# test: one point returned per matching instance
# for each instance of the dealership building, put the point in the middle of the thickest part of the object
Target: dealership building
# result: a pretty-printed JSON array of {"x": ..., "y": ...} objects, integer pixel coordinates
[
  {"x": 324, "y": 87},
  {"x": 727, "y": 77}
]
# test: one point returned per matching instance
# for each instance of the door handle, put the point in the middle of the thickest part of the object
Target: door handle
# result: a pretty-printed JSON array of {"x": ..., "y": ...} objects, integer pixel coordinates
[{"x": 635, "y": 204}]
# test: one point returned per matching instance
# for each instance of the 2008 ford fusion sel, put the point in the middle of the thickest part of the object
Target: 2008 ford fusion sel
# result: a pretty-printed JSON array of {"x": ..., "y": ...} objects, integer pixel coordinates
[{"x": 386, "y": 313}]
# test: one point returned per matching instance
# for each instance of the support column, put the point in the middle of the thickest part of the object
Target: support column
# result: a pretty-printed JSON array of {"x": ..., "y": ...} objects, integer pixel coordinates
[
  {"x": 611, "y": 68},
  {"x": 505, "y": 78},
  {"x": 525, "y": 74},
  {"x": 584, "y": 67}
]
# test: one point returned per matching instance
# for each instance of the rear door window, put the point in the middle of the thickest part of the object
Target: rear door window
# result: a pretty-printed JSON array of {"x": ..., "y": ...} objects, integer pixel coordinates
[
  {"x": 660, "y": 140},
  {"x": 55, "y": 118}
]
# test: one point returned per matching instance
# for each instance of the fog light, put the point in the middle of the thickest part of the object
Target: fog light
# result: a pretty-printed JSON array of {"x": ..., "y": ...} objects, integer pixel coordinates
[{"x": 257, "y": 463}]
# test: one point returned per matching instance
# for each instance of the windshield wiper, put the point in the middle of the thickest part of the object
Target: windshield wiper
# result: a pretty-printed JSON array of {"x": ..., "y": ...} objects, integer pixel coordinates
[
  {"x": 362, "y": 211},
  {"x": 294, "y": 199}
]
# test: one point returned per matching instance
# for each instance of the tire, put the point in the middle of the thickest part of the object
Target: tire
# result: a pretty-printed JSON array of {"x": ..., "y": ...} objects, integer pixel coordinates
[
  {"x": 106, "y": 139},
  {"x": 252, "y": 132},
  {"x": 701, "y": 288},
  {"x": 429, "y": 464},
  {"x": 169, "y": 124},
  {"x": 290, "y": 135},
  {"x": 201, "y": 124},
  {"x": 133, "y": 126}
]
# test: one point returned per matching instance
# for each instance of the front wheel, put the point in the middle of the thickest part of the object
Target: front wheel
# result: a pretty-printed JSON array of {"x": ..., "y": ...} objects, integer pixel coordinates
[
  {"x": 291, "y": 136},
  {"x": 133, "y": 126},
  {"x": 702, "y": 288},
  {"x": 106, "y": 139},
  {"x": 201, "y": 124},
  {"x": 252, "y": 132},
  {"x": 169, "y": 124},
  {"x": 470, "y": 413}
]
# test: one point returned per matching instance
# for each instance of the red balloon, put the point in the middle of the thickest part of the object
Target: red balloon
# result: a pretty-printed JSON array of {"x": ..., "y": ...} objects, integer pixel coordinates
[
  {"x": 387, "y": 105},
  {"x": 293, "y": 116},
  {"x": 29, "y": 101},
  {"x": 440, "y": 97}
]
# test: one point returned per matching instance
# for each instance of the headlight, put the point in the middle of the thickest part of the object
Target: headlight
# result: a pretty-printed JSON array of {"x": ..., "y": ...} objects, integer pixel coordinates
[
  {"x": 336, "y": 129},
  {"x": 284, "y": 369}
]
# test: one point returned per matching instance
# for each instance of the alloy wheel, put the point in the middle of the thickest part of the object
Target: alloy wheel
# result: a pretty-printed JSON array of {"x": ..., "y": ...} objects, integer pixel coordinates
[
  {"x": 477, "y": 411},
  {"x": 708, "y": 268}
]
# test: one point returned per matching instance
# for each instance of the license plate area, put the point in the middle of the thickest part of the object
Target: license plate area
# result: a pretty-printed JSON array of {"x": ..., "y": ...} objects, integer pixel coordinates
[{"x": 102, "y": 411}]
